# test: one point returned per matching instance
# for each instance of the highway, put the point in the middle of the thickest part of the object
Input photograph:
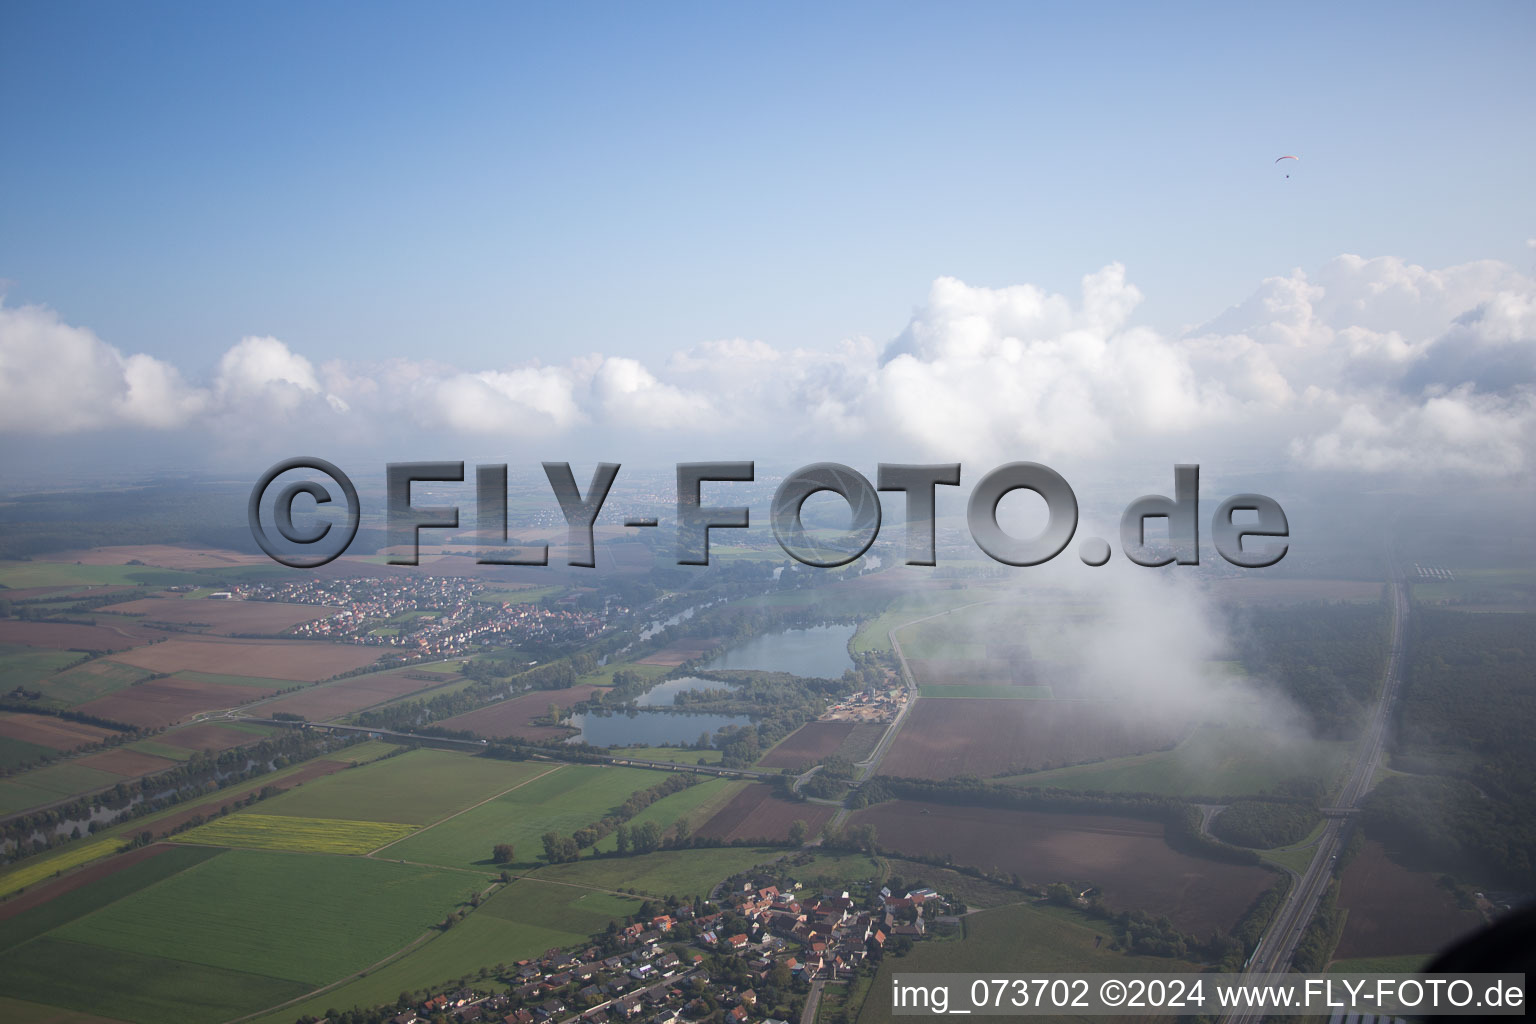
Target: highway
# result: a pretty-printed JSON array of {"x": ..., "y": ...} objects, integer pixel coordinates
[{"x": 1277, "y": 947}]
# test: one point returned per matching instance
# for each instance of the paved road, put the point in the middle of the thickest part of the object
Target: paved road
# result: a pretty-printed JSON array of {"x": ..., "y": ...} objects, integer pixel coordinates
[{"x": 1277, "y": 947}]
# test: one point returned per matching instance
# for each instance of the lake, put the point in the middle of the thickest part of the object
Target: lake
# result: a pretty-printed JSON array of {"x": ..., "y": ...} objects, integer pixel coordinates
[
  {"x": 661, "y": 695},
  {"x": 818, "y": 651}
]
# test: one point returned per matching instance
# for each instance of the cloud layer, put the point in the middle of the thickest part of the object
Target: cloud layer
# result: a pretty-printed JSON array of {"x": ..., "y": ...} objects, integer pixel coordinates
[{"x": 1371, "y": 365}]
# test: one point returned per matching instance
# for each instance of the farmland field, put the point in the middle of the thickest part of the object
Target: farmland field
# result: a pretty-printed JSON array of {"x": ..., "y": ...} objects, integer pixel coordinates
[
  {"x": 518, "y": 921},
  {"x": 298, "y": 660},
  {"x": 696, "y": 804},
  {"x": 813, "y": 741},
  {"x": 40, "y": 911},
  {"x": 72, "y": 856},
  {"x": 963, "y": 690},
  {"x": 1394, "y": 910},
  {"x": 298, "y": 917},
  {"x": 756, "y": 813},
  {"x": 307, "y": 835},
  {"x": 161, "y": 702},
  {"x": 209, "y": 736},
  {"x": 133, "y": 986},
  {"x": 1005, "y": 938},
  {"x": 222, "y": 616},
  {"x": 332, "y": 700},
  {"x": 128, "y": 763},
  {"x": 15, "y": 753},
  {"x": 47, "y": 785},
  {"x": 30, "y": 667},
  {"x": 683, "y": 873},
  {"x": 562, "y": 801},
  {"x": 1125, "y": 857},
  {"x": 66, "y": 636},
  {"x": 50, "y": 730},
  {"x": 515, "y": 717},
  {"x": 1215, "y": 761},
  {"x": 679, "y": 651},
  {"x": 96, "y": 678},
  {"x": 415, "y": 788},
  {"x": 944, "y": 738}
]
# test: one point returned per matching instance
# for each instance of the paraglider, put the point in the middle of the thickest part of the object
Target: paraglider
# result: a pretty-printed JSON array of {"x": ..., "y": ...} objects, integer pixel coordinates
[{"x": 1296, "y": 158}]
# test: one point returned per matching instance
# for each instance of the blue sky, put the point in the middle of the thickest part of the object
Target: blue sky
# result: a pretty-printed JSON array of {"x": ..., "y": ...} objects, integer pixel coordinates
[
  {"x": 505, "y": 182},
  {"x": 929, "y": 231}
]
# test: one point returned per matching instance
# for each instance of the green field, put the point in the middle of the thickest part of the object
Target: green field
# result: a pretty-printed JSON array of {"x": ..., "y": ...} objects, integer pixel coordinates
[
  {"x": 14, "y": 753},
  {"x": 562, "y": 801},
  {"x": 417, "y": 788},
  {"x": 293, "y": 916},
  {"x": 1479, "y": 589},
  {"x": 30, "y": 667},
  {"x": 220, "y": 679},
  {"x": 1214, "y": 761},
  {"x": 1007, "y": 939},
  {"x": 46, "y": 785},
  {"x": 133, "y": 986},
  {"x": 696, "y": 804},
  {"x": 604, "y": 675},
  {"x": 874, "y": 634},
  {"x": 989, "y": 692},
  {"x": 677, "y": 755},
  {"x": 684, "y": 873},
  {"x": 88, "y": 899},
  {"x": 86, "y": 682},
  {"x": 519, "y": 921},
  {"x": 1410, "y": 964},
  {"x": 21, "y": 575},
  {"x": 306, "y": 835},
  {"x": 16, "y": 1011}
]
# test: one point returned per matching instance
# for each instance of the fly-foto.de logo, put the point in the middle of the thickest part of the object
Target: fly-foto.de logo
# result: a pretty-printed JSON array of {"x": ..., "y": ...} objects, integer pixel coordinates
[{"x": 1264, "y": 525}]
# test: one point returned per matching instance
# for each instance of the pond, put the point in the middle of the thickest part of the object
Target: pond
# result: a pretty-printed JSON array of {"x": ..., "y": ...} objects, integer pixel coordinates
[
  {"x": 818, "y": 651},
  {"x": 648, "y": 728},
  {"x": 661, "y": 695}
]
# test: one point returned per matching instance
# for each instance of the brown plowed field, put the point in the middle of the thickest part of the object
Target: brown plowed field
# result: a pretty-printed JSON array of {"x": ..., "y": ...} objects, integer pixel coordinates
[
  {"x": 1395, "y": 911},
  {"x": 811, "y": 742},
  {"x": 755, "y": 813},
  {"x": 207, "y": 736},
  {"x": 160, "y": 702},
  {"x": 683, "y": 650},
  {"x": 37, "y": 895},
  {"x": 224, "y": 617},
  {"x": 1125, "y": 857},
  {"x": 514, "y": 717},
  {"x": 945, "y": 737},
  {"x": 49, "y": 731},
  {"x": 127, "y": 763},
  {"x": 65, "y": 636},
  {"x": 322, "y": 703},
  {"x": 300, "y": 660}
]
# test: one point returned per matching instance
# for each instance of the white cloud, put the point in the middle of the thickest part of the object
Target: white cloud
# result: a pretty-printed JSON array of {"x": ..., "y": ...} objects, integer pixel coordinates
[
  {"x": 1364, "y": 364},
  {"x": 60, "y": 379}
]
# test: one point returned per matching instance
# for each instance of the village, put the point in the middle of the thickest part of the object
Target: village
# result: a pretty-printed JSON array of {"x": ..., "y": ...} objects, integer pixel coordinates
[
  {"x": 756, "y": 949},
  {"x": 427, "y": 617}
]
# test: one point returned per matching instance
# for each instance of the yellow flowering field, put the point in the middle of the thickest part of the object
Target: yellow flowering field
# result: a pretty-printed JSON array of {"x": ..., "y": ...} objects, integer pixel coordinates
[
  {"x": 73, "y": 855},
  {"x": 310, "y": 835}
]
